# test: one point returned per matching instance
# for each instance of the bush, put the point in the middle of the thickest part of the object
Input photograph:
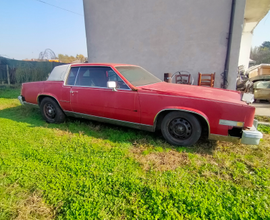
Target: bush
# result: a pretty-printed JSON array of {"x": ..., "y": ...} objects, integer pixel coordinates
[
  {"x": 29, "y": 71},
  {"x": 25, "y": 71}
]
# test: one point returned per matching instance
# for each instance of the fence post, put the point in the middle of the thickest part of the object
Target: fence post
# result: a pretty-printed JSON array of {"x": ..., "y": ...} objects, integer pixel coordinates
[{"x": 8, "y": 78}]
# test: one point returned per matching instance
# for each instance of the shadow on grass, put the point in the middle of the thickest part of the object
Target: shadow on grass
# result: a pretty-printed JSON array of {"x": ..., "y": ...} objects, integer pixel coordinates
[{"x": 32, "y": 116}]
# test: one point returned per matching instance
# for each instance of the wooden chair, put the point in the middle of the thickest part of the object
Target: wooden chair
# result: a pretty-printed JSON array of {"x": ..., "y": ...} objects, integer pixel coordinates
[
  {"x": 183, "y": 79},
  {"x": 206, "y": 79}
]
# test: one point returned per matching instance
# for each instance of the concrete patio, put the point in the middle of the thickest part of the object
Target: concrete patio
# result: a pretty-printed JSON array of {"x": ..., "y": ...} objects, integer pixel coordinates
[{"x": 262, "y": 108}]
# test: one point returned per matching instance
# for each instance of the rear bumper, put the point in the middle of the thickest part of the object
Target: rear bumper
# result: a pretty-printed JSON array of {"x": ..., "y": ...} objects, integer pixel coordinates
[
  {"x": 23, "y": 102},
  {"x": 21, "y": 99}
]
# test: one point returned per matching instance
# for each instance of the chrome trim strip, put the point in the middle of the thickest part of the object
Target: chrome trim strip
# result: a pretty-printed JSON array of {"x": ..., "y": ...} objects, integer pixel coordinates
[
  {"x": 231, "y": 123},
  {"x": 97, "y": 87},
  {"x": 224, "y": 138},
  {"x": 173, "y": 109},
  {"x": 111, "y": 121},
  {"x": 28, "y": 103},
  {"x": 76, "y": 75}
]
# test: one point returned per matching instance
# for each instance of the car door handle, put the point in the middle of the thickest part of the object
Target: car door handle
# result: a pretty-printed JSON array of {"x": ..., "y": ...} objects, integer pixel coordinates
[{"x": 73, "y": 92}]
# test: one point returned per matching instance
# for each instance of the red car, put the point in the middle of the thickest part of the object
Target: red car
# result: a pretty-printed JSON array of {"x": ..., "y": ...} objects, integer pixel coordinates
[{"x": 129, "y": 95}]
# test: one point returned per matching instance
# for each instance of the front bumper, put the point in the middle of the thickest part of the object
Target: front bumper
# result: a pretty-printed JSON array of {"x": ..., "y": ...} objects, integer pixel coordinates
[{"x": 251, "y": 136}]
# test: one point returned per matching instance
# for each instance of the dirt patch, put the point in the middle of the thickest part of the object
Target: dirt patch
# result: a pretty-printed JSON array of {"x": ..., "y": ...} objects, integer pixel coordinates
[
  {"x": 160, "y": 161},
  {"x": 34, "y": 208},
  {"x": 60, "y": 132},
  {"x": 266, "y": 138}
]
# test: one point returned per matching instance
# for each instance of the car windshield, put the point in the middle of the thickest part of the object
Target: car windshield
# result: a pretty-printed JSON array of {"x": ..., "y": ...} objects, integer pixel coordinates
[{"x": 137, "y": 76}]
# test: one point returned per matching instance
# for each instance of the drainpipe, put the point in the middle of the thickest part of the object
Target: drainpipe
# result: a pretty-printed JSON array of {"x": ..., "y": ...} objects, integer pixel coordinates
[{"x": 227, "y": 62}]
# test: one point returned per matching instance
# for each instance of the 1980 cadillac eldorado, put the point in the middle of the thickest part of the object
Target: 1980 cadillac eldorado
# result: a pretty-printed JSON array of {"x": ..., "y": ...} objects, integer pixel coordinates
[{"x": 129, "y": 95}]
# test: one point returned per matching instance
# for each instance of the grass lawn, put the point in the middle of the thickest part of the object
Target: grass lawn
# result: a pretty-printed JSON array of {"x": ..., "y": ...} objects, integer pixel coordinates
[{"x": 87, "y": 170}]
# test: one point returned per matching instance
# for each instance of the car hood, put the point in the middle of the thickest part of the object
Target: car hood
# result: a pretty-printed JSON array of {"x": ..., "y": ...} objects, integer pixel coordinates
[{"x": 195, "y": 92}]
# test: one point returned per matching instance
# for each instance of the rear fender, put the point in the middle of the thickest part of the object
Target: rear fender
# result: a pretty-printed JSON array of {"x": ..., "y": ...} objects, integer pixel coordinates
[{"x": 47, "y": 95}]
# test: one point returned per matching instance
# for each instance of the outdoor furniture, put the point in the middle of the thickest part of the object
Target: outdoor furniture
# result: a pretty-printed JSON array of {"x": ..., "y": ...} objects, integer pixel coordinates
[
  {"x": 179, "y": 78},
  {"x": 207, "y": 79},
  {"x": 183, "y": 78}
]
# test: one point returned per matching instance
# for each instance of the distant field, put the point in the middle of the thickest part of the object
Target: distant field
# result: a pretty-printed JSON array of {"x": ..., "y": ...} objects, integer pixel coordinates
[{"x": 89, "y": 170}]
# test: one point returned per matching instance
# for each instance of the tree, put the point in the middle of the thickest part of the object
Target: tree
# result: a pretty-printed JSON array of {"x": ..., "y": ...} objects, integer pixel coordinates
[
  {"x": 69, "y": 59},
  {"x": 261, "y": 54},
  {"x": 81, "y": 58},
  {"x": 266, "y": 44}
]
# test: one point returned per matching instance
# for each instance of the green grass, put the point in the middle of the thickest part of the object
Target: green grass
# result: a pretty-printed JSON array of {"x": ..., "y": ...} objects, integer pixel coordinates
[
  {"x": 264, "y": 128},
  {"x": 87, "y": 170}
]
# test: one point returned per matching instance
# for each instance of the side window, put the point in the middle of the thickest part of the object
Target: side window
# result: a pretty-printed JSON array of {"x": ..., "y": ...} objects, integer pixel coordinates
[
  {"x": 114, "y": 77},
  {"x": 92, "y": 76},
  {"x": 98, "y": 77},
  {"x": 72, "y": 76}
]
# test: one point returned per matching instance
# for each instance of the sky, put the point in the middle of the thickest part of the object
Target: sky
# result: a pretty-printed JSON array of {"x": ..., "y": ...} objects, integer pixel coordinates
[
  {"x": 262, "y": 32},
  {"x": 28, "y": 27}
]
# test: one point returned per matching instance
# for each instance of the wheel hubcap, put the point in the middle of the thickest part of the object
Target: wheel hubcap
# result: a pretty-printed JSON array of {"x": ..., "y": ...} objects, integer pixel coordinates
[
  {"x": 49, "y": 111},
  {"x": 180, "y": 128}
]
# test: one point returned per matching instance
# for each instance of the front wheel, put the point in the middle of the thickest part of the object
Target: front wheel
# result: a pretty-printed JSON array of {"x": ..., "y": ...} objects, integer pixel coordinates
[
  {"x": 181, "y": 128},
  {"x": 51, "y": 111}
]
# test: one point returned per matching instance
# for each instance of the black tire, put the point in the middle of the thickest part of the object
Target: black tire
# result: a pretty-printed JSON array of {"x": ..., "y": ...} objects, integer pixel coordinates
[
  {"x": 51, "y": 112},
  {"x": 181, "y": 128}
]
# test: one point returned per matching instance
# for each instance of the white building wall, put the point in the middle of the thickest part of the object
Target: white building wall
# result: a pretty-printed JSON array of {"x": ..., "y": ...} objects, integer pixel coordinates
[
  {"x": 162, "y": 36},
  {"x": 245, "y": 49},
  {"x": 237, "y": 29}
]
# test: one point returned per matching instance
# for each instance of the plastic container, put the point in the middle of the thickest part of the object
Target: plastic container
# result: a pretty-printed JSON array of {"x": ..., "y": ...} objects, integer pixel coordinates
[{"x": 251, "y": 137}]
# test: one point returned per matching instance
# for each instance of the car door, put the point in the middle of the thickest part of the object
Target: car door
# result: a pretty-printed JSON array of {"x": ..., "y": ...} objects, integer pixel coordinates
[
  {"x": 66, "y": 89},
  {"x": 90, "y": 95}
]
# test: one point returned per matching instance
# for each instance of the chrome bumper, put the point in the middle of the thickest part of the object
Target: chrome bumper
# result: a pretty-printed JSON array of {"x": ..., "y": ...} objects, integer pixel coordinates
[
  {"x": 26, "y": 103},
  {"x": 21, "y": 99},
  {"x": 251, "y": 136}
]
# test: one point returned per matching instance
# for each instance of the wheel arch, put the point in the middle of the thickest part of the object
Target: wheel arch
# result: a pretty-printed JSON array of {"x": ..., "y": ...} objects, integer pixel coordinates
[
  {"x": 203, "y": 119},
  {"x": 42, "y": 96}
]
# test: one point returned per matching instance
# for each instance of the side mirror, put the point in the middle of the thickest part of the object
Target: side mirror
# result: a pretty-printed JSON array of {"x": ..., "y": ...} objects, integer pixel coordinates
[{"x": 112, "y": 85}]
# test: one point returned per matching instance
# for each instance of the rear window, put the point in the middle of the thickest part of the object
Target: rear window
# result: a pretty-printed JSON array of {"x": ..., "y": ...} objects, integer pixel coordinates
[{"x": 59, "y": 73}]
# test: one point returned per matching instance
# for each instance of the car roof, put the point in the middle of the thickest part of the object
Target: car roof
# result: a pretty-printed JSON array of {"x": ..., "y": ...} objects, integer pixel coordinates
[{"x": 101, "y": 64}]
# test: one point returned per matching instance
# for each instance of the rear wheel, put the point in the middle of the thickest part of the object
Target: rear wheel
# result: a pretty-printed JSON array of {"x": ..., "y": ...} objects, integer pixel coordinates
[
  {"x": 181, "y": 128},
  {"x": 51, "y": 111}
]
